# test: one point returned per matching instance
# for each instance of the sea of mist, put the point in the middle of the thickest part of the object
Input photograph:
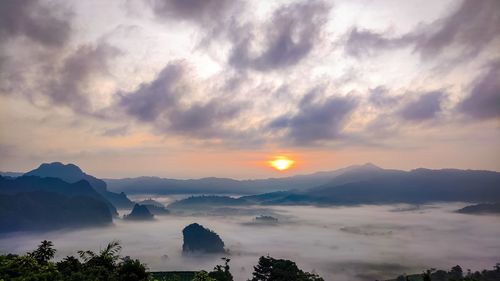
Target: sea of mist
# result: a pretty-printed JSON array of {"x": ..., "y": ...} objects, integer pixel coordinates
[{"x": 339, "y": 243}]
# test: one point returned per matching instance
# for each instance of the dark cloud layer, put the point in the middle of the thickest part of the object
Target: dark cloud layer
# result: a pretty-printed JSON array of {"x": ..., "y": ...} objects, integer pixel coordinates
[
  {"x": 316, "y": 121},
  {"x": 56, "y": 74},
  {"x": 32, "y": 20},
  {"x": 52, "y": 68},
  {"x": 469, "y": 29},
  {"x": 361, "y": 42},
  {"x": 483, "y": 102},
  {"x": 151, "y": 99},
  {"x": 289, "y": 37},
  {"x": 206, "y": 13},
  {"x": 425, "y": 107},
  {"x": 161, "y": 104},
  {"x": 380, "y": 97},
  {"x": 472, "y": 26},
  {"x": 65, "y": 77},
  {"x": 204, "y": 119},
  {"x": 69, "y": 84}
]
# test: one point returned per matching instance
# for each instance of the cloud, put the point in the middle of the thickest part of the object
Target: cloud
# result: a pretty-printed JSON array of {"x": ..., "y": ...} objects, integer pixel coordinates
[
  {"x": 469, "y": 29},
  {"x": 472, "y": 26},
  {"x": 117, "y": 131},
  {"x": 162, "y": 103},
  {"x": 48, "y": 70},
  {"x": 204, "y": 119},
  {"x": 32, "y": 20},
  {"x": 424, "y": 107},
  {"x": 362, "y": 42},
  {"x": 151, "y": 99},
  {"x": 287, "y": 38},
  {"x": 206, "y": 13},
  {"x": 380, "y": 97},
  {"x": 69, "y": 85},
  {"x": 483, "y": 102},
  {"x": 316, "y": 121}
]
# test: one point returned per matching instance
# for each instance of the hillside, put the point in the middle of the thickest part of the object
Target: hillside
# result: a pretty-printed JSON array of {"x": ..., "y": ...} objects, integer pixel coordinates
[
  {"x": 139, "y": 212},
  {"x": 201, "y": 202},
  {"x": 481, "y": 209},
  {"x": 156, "y": 185},
  {"x": 71, "y": 173},
  {"x": 379, "y": 186},
  {"x": 40, "y": 210},
  {"x": 27, "y": 184}
]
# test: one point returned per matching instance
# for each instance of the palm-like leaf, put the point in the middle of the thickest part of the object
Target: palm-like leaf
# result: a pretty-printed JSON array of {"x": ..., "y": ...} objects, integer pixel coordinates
[
  {"x": 111, "y": 251},
  {"x": 86, "y": 255}
]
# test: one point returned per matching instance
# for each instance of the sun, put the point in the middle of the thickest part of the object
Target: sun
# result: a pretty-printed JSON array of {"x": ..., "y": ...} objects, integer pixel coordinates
[{"x": 281, "y": 163}]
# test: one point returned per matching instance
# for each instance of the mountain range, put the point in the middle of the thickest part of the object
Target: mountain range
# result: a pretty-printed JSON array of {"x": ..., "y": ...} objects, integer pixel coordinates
[
  {"x": 35, "y": 203},
  {"x": 71, "y": 173},
  {"x": 374, "y": 185},
  {"x": 213, "y": 185},
  {"x": 358, "y": 184},
  {"x": 55, "y": 196}
]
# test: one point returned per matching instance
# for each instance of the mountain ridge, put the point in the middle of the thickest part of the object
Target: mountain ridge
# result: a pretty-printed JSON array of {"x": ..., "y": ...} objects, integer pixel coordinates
[{"x": 72, "y": 173}]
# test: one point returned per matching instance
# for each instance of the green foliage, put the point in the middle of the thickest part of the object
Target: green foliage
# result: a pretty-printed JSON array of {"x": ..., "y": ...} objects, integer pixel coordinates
[
  {"x": 221, "y": 272},
  {"x": 173, "y": 275},
  {"x": 270, "y": 269},
  {"x": 131, "y": 270},
  {"x": 44, "y": 252},
  {"x": 202, "y": 276},
  {"x": 456, "y": 274},
  {"x": 105, "y": 265}
]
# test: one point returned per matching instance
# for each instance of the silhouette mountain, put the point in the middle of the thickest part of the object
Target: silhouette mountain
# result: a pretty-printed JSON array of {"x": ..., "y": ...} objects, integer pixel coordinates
[
  {"x": 155, "y": 185},
  {"x": 157, "y": 210},
  {"x": 71, "y": 173},
  {"x": 151, "y": 202},
  {"x": 373, "y": 185},
  {"x": 139, "y": 212},
  {"x": 11, "y": 174},
  {"x": 200, "y": 239},
  {"x": 55, "y": 185},
  {"x": 201, "y": 202},
  {"x": 480, "y": 209},
  {"x": 34, "y": 203}
]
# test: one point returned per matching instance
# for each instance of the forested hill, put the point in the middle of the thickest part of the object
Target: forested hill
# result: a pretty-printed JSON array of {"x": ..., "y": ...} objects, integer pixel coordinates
[
  {"x": 34, "y": 203},
  {"x": 380, "y": 186},
  {"x": 71, "y": 173}
]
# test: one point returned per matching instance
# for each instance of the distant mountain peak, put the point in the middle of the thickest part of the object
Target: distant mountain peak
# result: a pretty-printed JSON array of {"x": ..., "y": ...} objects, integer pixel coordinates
[
  {"x": 67, "y": 172},
  {"x": 59, "y": 168},
  {"x": 370, "y": 165},
  {"x": 139, "y": 212},
  {"x": 71, "y": 173}
]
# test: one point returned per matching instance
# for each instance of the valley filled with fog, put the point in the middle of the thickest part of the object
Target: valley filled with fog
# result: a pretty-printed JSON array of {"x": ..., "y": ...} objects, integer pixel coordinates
[{"x": 364, "y": 242}]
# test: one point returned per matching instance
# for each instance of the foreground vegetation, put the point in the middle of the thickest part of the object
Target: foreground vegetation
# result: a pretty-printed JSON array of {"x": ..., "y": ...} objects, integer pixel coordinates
[
  {"x": 455, "y": 274},
  {"x": 110, "y": 266}
]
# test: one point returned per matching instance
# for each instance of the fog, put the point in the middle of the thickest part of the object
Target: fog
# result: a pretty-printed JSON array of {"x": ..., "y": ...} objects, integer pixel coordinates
[{"x": 344, "y": 243}]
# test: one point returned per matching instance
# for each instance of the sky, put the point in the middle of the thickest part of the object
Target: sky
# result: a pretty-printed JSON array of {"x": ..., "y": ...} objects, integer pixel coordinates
[{"x": 196, "y": 88}]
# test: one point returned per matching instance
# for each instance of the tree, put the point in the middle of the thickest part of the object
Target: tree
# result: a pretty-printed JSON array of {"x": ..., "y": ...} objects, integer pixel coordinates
[
  {"x": 104, "y": 265},
  {"x": 132, "y": 270},
  {"x": 69, "y": 264},
  {"x": 107, "y": 257},
  {"x": 202, "y": 276},
  {"x": 426, "y": 276},
  {"x": 221, "y": 272},
  {"x": 270, "y": 269},
  {"x": 456, "y": 273},
  {"x": 44, "y": 252}
]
